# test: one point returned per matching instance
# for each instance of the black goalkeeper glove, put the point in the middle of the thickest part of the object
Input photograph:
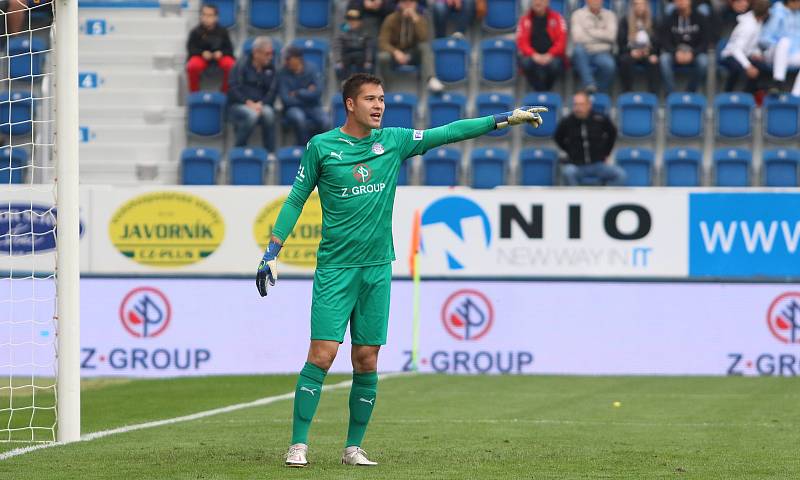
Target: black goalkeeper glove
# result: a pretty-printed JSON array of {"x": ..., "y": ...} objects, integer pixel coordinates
[{"x": 268, "y": 268}]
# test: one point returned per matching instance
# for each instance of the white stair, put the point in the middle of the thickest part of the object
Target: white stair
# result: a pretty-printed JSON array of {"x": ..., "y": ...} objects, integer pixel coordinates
[
  {"x": 88, "y": 44},
  {"x": 108, "y": 78},
  {"x": 124, "y": 96},
  {"x": 134, "y": 24},
  {"x": 99, "y": 133}
]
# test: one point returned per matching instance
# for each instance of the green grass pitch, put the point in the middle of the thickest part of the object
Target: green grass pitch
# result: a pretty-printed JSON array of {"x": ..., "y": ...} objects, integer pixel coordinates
[{"x": 436, "y": 426}]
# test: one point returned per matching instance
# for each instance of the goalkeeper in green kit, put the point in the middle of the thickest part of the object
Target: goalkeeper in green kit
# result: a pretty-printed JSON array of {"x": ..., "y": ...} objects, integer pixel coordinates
[{"x": 355, "y": 169}]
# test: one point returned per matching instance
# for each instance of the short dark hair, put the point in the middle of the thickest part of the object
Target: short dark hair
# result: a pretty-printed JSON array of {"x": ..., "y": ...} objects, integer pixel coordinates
[
  {"x": 212, "y": 7},
  {"x": 352, "y": 85}
]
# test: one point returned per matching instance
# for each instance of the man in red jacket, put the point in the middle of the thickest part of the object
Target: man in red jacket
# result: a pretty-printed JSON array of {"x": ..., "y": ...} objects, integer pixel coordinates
[{"x": 541, "y": 43}]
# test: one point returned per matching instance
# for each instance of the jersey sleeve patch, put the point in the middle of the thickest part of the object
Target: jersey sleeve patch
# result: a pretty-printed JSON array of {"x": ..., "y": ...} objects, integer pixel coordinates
[{"x": 418, "y": 135}]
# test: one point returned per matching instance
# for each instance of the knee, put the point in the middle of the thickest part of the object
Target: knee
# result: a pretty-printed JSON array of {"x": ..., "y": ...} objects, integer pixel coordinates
[
  {"x": 605, "y": 63},
  {"x": 295, "y": 116},
  {"x": 267, "y": 115},
  {"x": 365, "y": 360},
  {"x": 702, "y": 62},
  {"x": 665, "y": 60},
  {"x": 195, "y": 65},
  {"x": 226, "y": 63},
  {"x": 440, "y": 10},
  {"x": 321, "y": 358}
]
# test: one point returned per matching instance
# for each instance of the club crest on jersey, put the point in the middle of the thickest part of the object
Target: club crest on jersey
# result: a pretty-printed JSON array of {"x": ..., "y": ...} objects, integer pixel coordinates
[
  {"x": 377, "y": 148},
  {"x": 417, "y": 135},
  {"x": 362, "y": 172}
]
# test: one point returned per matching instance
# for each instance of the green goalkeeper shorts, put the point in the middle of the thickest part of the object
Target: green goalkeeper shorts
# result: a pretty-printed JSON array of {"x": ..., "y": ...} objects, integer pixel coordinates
[{"x": 359, "y": 295}]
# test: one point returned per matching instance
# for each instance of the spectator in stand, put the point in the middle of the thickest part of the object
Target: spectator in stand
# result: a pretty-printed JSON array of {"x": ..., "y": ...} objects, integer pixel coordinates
[
  {"x": 587, "y": 138},
  {"x": 781, "y": 37},
  {"x": 461, "y": 12},
  {"x": 300, "y": 89},
  {"x": 742, "y": 53},
  {"x": 684, "y": 42},
  {"x": 209, "y": 43},
  {"x": 541, "y": 44},
  {"x": 353, "y": 49},
  {"x": 636, "y": 41},
  {"x": 373, "y": 13},
  {"x": 252, "y": 92},
  {"x": 404, "y": 40},
  {"x": 728, "y": 14},
  {"x": 594, "y": 32}
]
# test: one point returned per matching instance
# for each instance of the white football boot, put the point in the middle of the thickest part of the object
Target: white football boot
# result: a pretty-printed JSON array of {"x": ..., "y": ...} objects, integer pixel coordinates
[
  {"x": 356, "y": 456},
  {"x": 296, "y": 457}
]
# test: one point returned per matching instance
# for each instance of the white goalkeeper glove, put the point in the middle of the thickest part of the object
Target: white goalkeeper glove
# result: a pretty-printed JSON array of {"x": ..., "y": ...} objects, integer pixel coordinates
[{"x": 519, "y": 116}]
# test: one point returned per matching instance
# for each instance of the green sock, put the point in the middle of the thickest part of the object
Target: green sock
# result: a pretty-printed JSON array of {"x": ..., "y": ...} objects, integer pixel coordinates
[
  {"x": 362, "y": 401},
  {"x": 306, "y": 399}
]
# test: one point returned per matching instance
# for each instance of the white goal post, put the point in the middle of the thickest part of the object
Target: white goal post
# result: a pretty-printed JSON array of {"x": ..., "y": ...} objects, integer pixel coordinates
[{"x": 68, "y": 407}]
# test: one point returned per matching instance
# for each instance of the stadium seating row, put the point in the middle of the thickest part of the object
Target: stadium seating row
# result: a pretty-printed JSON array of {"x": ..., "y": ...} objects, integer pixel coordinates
[
  {"x": 732, "y": 167},
  {"x": 636, "y": 113}
]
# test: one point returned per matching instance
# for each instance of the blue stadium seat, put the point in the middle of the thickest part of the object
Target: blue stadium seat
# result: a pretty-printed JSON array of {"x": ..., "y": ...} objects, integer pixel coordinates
[
  {"x": 400, "y": 110},
  {"x": 498, "y": 59},
  {"x": 338, "y": 112},
  {"x": 781, "y": 114},
  {"x": 288, "y": 163},
  {"x": 780, "y": 167},
  {"x": 247, "y": 165},
  {"x": 682, "y": 167},
  {"x": 205, "y": 113},
  {"x": 441, "y": 167},
  {"x": 15, "y": 113},
  {"x": 550, "y": 100},
  {"x": 228, "y": 11},
  {"x": 26, "y": 56},
  {"x": 445, "y": 108},
  {"x": 734, "y": 114},
  {"x": 636, "y": 111},
  {"x": 315, "y": 50},
  {"x": 402, "y": 175},
  {"x": 638, "y": 166},
  {"x": 13, "y": 163},
  {"x": 488, "y": 167},
  {"x": 607, "y": 4},
  {"x": 601, "y": 103},
  {"x": 685, "y": 114},
  {"x": 199, "y": 166},
  {"x": 313, "y": 14},
  {"x": 559, "y": 6},
  {"x": 500, "y": 15},
  {"x": 491, "y": 103},
  {"x": 266, "y": 14},
  {"x": 451, "y": 59},
  {"x": 732, "y": 167},
  {"x": 538, "y": 166}
]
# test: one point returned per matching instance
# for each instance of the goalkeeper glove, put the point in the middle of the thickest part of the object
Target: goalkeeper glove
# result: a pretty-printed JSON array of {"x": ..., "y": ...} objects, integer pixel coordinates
[
  {"x": 268, "y": 268},
  {"x": 520, "y": 115}
]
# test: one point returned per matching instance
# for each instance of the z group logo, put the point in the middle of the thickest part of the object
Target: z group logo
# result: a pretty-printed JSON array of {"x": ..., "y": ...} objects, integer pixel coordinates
[
  {"x": 467, "y": 315},
  {"x": 145, "y": 312},
  {"x": 362, "y": 172},
  {"x": 783, "y": 317}
]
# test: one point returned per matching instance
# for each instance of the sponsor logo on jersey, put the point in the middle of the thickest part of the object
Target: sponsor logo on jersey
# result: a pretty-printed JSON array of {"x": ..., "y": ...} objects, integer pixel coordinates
[
  {"x": 377, "y": 148},
  {"x": 418, "y": 135},
  {"x": 167, "y": 229},
  {"x": 362, "y": 172}
]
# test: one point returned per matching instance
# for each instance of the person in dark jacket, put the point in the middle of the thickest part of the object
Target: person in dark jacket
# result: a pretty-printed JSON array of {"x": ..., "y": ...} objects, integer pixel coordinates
[
  {"x": 208, "y": 43},
  {"x": 373, "y": 12},
  {"x": 300, "y": 89},
  {"x": 254, "y": 85},
  {"x": 353, "y": 49},
  {"x": 636, "y": 45},
  {"x": 684, "y": 42},
  {"x": 587, "y": 137}
]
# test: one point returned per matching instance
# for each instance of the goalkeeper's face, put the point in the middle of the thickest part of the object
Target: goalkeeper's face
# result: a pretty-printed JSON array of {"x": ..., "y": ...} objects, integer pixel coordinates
[{"x": 368, "y": 106}]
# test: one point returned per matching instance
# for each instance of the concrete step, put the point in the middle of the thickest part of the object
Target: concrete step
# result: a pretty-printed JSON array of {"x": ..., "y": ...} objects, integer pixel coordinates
[
  {"x": 93, "y": 134},
  {"x": 133, "y": 115},
  {"x": 109, "y": 78},
  {"x": 125, "y": 153},
  {"x": 133, "y": 174},
  {"x": 125, "y": 96},
  {"x": 130, "y": 44},
  {"x": 96, "y": 22},
  {"x": 140, "y": 60}
]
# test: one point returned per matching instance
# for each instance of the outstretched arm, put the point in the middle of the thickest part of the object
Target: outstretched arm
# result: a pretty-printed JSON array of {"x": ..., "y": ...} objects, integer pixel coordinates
[{"x": 424, "y": 140}]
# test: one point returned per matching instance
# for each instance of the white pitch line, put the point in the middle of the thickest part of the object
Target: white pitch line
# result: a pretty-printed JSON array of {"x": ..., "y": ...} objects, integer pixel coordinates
[{"x": 186, "y": 418}]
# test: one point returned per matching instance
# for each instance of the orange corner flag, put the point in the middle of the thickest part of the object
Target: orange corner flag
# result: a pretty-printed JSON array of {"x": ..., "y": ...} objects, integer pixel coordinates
[{"x": 415, "y": 241}]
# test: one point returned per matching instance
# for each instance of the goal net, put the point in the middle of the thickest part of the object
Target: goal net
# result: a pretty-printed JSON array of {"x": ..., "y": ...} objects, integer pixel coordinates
[{"x": 38, "y": 248}]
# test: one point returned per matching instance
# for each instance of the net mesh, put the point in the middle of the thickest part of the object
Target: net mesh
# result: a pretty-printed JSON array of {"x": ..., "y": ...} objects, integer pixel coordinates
[{"x": 27, "y": 224}]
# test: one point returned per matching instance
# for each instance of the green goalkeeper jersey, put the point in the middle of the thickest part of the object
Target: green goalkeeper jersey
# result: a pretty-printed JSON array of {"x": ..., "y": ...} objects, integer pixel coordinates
[{"x": 357, "y": 180}]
